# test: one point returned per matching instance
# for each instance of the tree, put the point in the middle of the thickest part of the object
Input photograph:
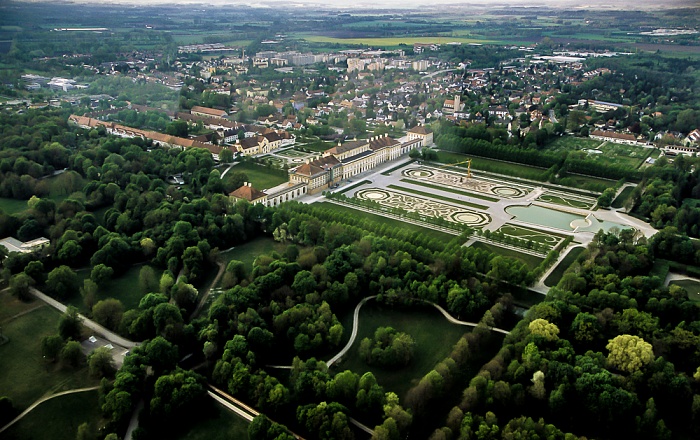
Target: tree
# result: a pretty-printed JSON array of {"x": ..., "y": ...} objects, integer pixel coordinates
[
  {"x": 20, "y": 284},
  {"x": 101, "y": 273},
  {"x": 51, "y": 347},
  {"x": 70, "y": 324},
  {"x": 7, "y": 410},
  {"x": 100, "y": 362},
  {"x": 62, "y": 282},
  {"x": 226, "y": 156},
  {"x": 71, "y": 353},
  {"x": 177, "y": 394},
  {"x": 542, "y": 327},
  {"x": 148, "y": 280},
  {"x": 84, "y": 432},
  {"x": 629, "y": 353},
  {"x": 606, "y": 198},
  {"x": 537, "y": 389},
  {"x": 108, "y": 313}
]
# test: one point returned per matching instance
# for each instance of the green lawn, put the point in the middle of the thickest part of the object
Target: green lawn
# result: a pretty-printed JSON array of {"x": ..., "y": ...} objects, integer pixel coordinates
[
  {"x": 353, "y": 186},
  {"x": 433, "y": 334},
  {"x": 690, "y": 286},
  {"x": 125, "y": 288},
  {"x": 59, "y": 418},
  {"x": 558, "y": 272},
  {"x": 437, "y": 197},
  {"x": 620, "y": 200},
  {"x": 261, "y": 177},
  {"x": 452, "y": 190},
  {"x": 530, "y": 260},
  {"x": 493, "y": 166},
  {"x": 314, "y": 145},
  {"x": 221, "y": 424},
  {"x": 248, "y": 252},
  {"x": 11, "y": 306},
  {"x": 442, "y": 236},
  {"x": 568, "y": 143},
  {"x": 12, "y": 206},
  {"x": 25, "y": 377}
]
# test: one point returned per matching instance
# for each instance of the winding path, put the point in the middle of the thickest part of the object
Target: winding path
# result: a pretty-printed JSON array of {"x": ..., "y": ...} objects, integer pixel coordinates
[
  {"x": 92, "y": 325},
  {"x": 356, "y": 325},
  {"x": 42, "y": 400}
]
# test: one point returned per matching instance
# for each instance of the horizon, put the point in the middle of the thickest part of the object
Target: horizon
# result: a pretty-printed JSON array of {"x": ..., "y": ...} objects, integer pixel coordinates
[{"x": 396, "y": 4}]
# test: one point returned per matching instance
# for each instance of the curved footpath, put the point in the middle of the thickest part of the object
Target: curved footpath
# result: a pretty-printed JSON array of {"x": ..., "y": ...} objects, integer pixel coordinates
[
  {"x": 92, "y": 325},
  {"x": 42, "y": 400},
  {"x": 356, "y": 325}
]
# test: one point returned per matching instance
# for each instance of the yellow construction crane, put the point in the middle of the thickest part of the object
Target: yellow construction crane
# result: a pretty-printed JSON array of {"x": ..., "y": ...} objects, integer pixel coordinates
[{"x": 469, "y": 166}]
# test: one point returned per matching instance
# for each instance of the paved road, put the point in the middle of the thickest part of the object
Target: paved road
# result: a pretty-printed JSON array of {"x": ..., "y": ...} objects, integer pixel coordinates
[
  {"x": 92, "y": 325},
  {"x": 42, "y": 400}
]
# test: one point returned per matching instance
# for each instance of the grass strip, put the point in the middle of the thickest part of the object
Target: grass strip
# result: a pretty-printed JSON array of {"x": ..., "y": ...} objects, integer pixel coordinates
[
  {"x": 558, "y": 272},
  {"x": 620, "y": 200},
  {"x": 353, "y": 186},
  {"x": 434, "y": 196},
  {"x": 388, "y": 172},
  {"x": 448, "y": 189},
  {"x": 532, "y": 261}
]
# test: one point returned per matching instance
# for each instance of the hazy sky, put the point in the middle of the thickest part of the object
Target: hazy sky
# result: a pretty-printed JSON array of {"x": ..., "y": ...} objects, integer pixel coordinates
[{"x": 397, "y": 4}]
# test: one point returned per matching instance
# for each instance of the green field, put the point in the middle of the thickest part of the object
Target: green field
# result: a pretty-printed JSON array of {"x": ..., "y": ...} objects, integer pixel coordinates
[
  {"x": 530, "y": 260},
  {"x": 248, "y": 252},
  {"x": 432, "y": 233},
  {"x": 12, "y": 206},
  {"x": 451, "y": 190},
  {"x": 554, "y": 277},
  {"x": 425, "y": 325},
  {"x": 437, "y": 197},
  {"x": 690, "y": 286},
  {"x": 620, "y": 200},
  {"x": 59, "y": 418},
  {"x": 221, "y": 424},
  {"x": 261, "y": 177},
  {"x": 493, "y": 166},
  {"x": 25, "y": 377},
  {"x": 125, "y": 288}
]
